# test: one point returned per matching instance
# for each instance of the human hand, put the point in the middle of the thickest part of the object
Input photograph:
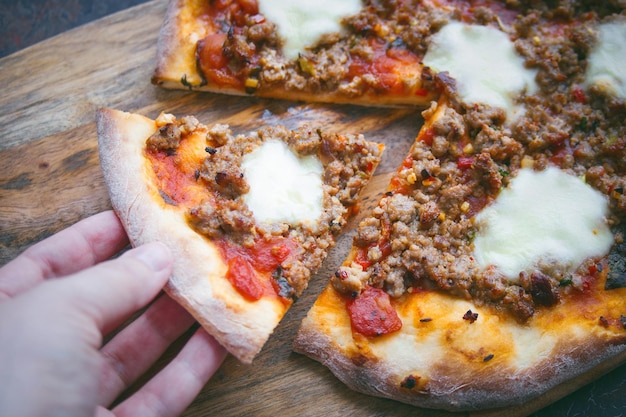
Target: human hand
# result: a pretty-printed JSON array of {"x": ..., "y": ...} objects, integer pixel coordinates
[{"x": 61, "y": 298}]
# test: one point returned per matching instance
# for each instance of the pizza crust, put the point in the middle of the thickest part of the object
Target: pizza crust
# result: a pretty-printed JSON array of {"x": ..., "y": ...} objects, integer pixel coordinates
[
  {"x": 176, "y": 47},
  {"x": 197, "y": 282},
  {"x": 493, "y": 362}
]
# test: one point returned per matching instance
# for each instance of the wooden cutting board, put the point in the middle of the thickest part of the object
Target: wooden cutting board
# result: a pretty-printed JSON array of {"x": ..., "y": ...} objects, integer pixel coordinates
[{"x": 50, "y": 178}]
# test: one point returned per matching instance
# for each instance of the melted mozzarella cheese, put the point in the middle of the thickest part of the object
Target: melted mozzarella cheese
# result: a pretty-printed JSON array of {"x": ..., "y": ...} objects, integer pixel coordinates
[
  {"x": 607, "y": 61},
  {"x": 542, "y": 216},
  {"x": 301, "y": 23},
  {"x": 484, "y": 64},
  {"x": 283, "y": 187}
]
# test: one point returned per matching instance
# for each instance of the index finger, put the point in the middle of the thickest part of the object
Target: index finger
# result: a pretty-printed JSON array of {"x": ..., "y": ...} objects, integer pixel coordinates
[{"x": 80, "y": 246}]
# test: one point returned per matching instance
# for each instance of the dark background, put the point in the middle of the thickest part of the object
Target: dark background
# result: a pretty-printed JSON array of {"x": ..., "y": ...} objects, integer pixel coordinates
[{"x": 25, "y": 22}]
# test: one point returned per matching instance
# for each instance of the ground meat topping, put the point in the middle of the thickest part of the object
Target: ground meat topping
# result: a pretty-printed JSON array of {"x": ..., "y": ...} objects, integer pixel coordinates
[
  {"x": 243, "y": 52},
  {"x": 164, "y": 139},
  {"x": 223, "y": 216},
  {"x": 421, "y": 235},
  {"x": 470, "y": 153},
  {"x": 170, "y": 131}
]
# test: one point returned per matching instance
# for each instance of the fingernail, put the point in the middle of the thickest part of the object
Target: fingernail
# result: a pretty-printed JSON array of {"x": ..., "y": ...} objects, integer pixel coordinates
[{"x": 155, "y": 255}]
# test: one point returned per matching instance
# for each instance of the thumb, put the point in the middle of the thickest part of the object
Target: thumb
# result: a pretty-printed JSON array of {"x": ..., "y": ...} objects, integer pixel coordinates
[{"x": 111, "y": 291}]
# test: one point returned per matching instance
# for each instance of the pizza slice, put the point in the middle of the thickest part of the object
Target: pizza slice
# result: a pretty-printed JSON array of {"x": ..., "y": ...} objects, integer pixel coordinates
[
  {"x": 493, "y": 268},
  {"x": 350, "y": 51},
  {"x": 249, "y": 218},
  {"x": 447, "y": 298}
]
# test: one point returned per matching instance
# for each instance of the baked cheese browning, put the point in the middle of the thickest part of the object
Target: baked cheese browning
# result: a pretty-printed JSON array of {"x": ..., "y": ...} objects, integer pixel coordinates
[
  {"x": 607, "y": 59},
  {"x": 206, "y": 170}
]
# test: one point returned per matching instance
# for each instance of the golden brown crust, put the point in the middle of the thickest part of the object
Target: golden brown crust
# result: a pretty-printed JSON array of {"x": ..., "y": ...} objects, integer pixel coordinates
[
  {"x": 197, "y": 280},
  {"x": 176, "y": 45},
  {"x": 449, "y": 363}
]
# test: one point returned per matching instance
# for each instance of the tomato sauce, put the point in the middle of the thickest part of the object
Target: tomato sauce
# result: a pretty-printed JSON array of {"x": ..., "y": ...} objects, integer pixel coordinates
[
  {"x": 250, "y": 269},
  {"x": 176, "y": 185},
  {"x": 234, "y": 11},
  {"x": 427, "y": 136},
  {"x": 476, "y": 204},
  {"x": 560, "y": 152},
  {"x": 242, "y": 276},
  {"x": 465, "y": 162},
  {"x": 383, "y": 244},
  {"x": 399, "y": 185},
  {"x": 389, "y": 66},
  {"x": 229, "y": 16},
  {"x": 214, "y": 64}
]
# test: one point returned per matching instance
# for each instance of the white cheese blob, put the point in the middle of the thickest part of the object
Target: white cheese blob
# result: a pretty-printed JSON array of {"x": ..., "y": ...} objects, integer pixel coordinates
[
  {"x": 283, "y": 187},
  {"x": 607, "y": 61},
  {"x": 484, "y": 64},
  {"x": 301, "y": 23},
  {"x": 542, "y": 216}
]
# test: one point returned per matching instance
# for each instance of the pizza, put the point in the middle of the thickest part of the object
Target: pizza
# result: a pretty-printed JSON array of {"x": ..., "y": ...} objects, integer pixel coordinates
[
  {"x": 323, "y": 51},
  {"x": 494, "y": 267},
  {"x": 480, "y": 280},
  {"x": 249, "y": 218}
]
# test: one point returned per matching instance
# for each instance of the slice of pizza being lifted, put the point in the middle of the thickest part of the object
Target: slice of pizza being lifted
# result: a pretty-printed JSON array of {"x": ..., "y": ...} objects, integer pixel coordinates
[
  {"x": 494, "y": 267},
  {"x": 249, "y": 218}
]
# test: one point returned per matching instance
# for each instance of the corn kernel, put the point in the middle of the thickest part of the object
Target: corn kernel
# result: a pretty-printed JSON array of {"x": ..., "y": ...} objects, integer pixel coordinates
[
  {"x": 527, "y": 162},
  {"x": 251, "y": 83},
  {"x": 411, "y": 178},
  {"x": 442, "y": 216},
  {"x": 468, "y": 149},
  {"x": 465, "y": 207},
  {"x": 428, "y": 182},
  {"x": 381, "y": 30}
]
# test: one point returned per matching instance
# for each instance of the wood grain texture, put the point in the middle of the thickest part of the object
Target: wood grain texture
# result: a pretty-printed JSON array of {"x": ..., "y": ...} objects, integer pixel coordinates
[{"x": 50, "y": 178}]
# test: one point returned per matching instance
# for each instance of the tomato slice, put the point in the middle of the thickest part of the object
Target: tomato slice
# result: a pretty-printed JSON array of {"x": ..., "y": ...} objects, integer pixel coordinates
[
  {"x": 465, "y": 162},
  {"x": 390, "y": 66},
  {"x": 213, "y": 63},
  {"x": 371, "y": 313},
  {"x": 269, "y": 254},
  {"x": 250, "y": 269},
  {"x": 243, "y": 277}
]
